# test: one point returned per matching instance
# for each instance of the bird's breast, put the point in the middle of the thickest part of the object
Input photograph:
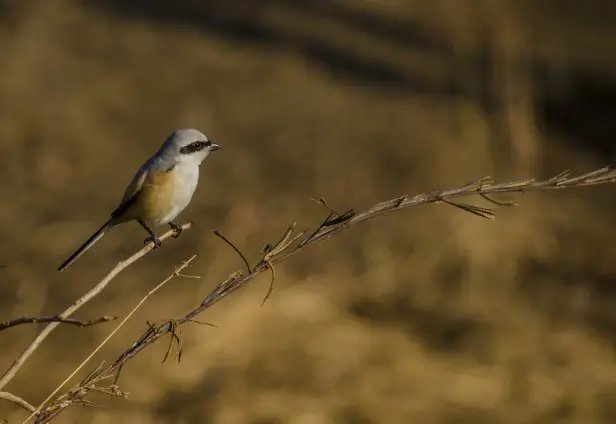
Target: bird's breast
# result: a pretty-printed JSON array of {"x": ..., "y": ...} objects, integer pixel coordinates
[{"x": 165, "y": 194}]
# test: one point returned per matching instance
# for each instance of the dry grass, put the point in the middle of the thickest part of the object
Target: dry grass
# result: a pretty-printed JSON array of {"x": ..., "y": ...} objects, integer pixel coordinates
[{"x": 429, "y": 316}]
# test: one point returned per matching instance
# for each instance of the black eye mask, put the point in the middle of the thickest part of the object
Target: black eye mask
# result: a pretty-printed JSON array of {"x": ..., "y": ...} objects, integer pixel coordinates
[{"x": 195, "y": 146}]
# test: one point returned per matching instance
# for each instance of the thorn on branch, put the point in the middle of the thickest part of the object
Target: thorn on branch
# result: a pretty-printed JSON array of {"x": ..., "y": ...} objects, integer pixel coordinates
[
  {"x": 340, "y": 218},
  {"x": 560, "y": 177},
  {"x": 400, "y": 200},
  {"x": 271, "y": 286},
  {"x": 332, "y": 219},
  {"x": 498, "y": 202},
  {"x": 112, "y": 390},
  {"x": 270, "y": 251},
  {"x": 321, "y": 201},
  {"x": 476, "y": 210},
  {"x": 282, "y": 244},
  {"x": 603, "y": 174},
  {"x": 476, "y": 185},
  {"x": 222, "y": 287},
  {"x": 175, "y": 336},
  {"x": 201, "y": 322},
  {"x": 519, "y": 185},
  {"x": 238, "y": 251},
  {"x": 117, "y": 374},
  {"x": 315, "y": 232},
  {"x": 92, "y": 374}
]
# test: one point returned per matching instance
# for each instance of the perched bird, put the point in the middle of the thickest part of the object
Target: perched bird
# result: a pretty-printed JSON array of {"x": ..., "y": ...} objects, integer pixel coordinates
[{"x": 161, "y": 189}]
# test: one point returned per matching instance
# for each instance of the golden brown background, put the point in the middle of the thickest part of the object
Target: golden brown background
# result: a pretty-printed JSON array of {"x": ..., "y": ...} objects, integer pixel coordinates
[{"x": 425, "y": 316}]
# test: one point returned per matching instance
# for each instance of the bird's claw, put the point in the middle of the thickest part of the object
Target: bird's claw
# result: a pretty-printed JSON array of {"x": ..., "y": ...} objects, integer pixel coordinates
[
  {"x": 153, "y": 239},
  {"x": 177, "y": 229}
]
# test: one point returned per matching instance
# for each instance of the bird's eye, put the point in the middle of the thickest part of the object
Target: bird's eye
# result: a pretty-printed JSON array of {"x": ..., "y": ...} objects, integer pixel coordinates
[{"x": 195, "y": 146}]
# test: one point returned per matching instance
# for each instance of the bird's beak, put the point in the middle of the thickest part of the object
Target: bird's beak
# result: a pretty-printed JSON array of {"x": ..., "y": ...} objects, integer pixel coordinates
[{"x": 213, "y": 147}]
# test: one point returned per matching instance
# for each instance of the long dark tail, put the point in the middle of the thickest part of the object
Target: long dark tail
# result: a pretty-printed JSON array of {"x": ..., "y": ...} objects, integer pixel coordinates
[{"x": 88, "y": 244}]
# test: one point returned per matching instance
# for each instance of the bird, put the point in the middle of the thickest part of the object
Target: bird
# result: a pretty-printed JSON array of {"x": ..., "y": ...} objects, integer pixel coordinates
[{"x": 161, "y": 189}]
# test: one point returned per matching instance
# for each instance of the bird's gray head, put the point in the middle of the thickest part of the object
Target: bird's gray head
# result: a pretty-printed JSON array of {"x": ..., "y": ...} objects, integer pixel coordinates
[{"x": 187, "y": 146}]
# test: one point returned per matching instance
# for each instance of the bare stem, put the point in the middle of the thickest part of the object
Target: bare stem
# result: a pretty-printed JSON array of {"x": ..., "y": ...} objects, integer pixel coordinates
[
  {"x": 17, "y": 400},
  {"x": 46, "y": 319}
]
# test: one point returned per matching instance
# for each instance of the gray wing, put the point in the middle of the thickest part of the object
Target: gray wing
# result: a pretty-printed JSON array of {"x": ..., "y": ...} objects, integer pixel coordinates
[
  {"x": 133, "y": 189},
  {"x": 153, "y": 164},
  {"x": 135, "y": 185}
]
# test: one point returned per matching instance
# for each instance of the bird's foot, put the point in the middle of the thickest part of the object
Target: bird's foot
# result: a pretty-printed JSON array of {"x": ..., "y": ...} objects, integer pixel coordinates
[
  {"x": 177, "y": 229},
  {"x": 153, "y": 239}
]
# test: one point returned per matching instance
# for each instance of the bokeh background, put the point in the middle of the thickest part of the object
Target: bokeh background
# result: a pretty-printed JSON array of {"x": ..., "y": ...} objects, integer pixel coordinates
[{"x": 429, "y": 315}]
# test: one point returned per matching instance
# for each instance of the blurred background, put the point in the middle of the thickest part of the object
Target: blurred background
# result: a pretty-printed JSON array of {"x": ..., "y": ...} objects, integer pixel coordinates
[{"x": 430, "y": 315}]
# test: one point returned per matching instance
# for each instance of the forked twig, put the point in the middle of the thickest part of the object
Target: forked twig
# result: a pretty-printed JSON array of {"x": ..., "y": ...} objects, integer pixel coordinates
[
  {"x": 93, "y": 377},
  {"x": 18, "y": 363}
]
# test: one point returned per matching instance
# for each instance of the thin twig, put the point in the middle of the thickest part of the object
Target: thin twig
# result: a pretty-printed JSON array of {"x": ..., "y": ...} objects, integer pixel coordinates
[
  {"x": 238, "y": 251},
  {"x": 104, "y": 342},
  {"x": 46, "y": 319},
  {"x": 284, "y": 249},
  {"x": 18, "y": 363},
  {"x": 17, "y": 400}
]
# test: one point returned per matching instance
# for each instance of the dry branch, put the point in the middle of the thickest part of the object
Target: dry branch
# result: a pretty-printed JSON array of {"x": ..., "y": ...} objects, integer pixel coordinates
[
  {"x": 114, "y": 390},
  {"x": 17, "y": 400},
  {"x": 18, "y": 363},
  {"x": 46, "y": 319},
  {"x": 286, "y": 247}
]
